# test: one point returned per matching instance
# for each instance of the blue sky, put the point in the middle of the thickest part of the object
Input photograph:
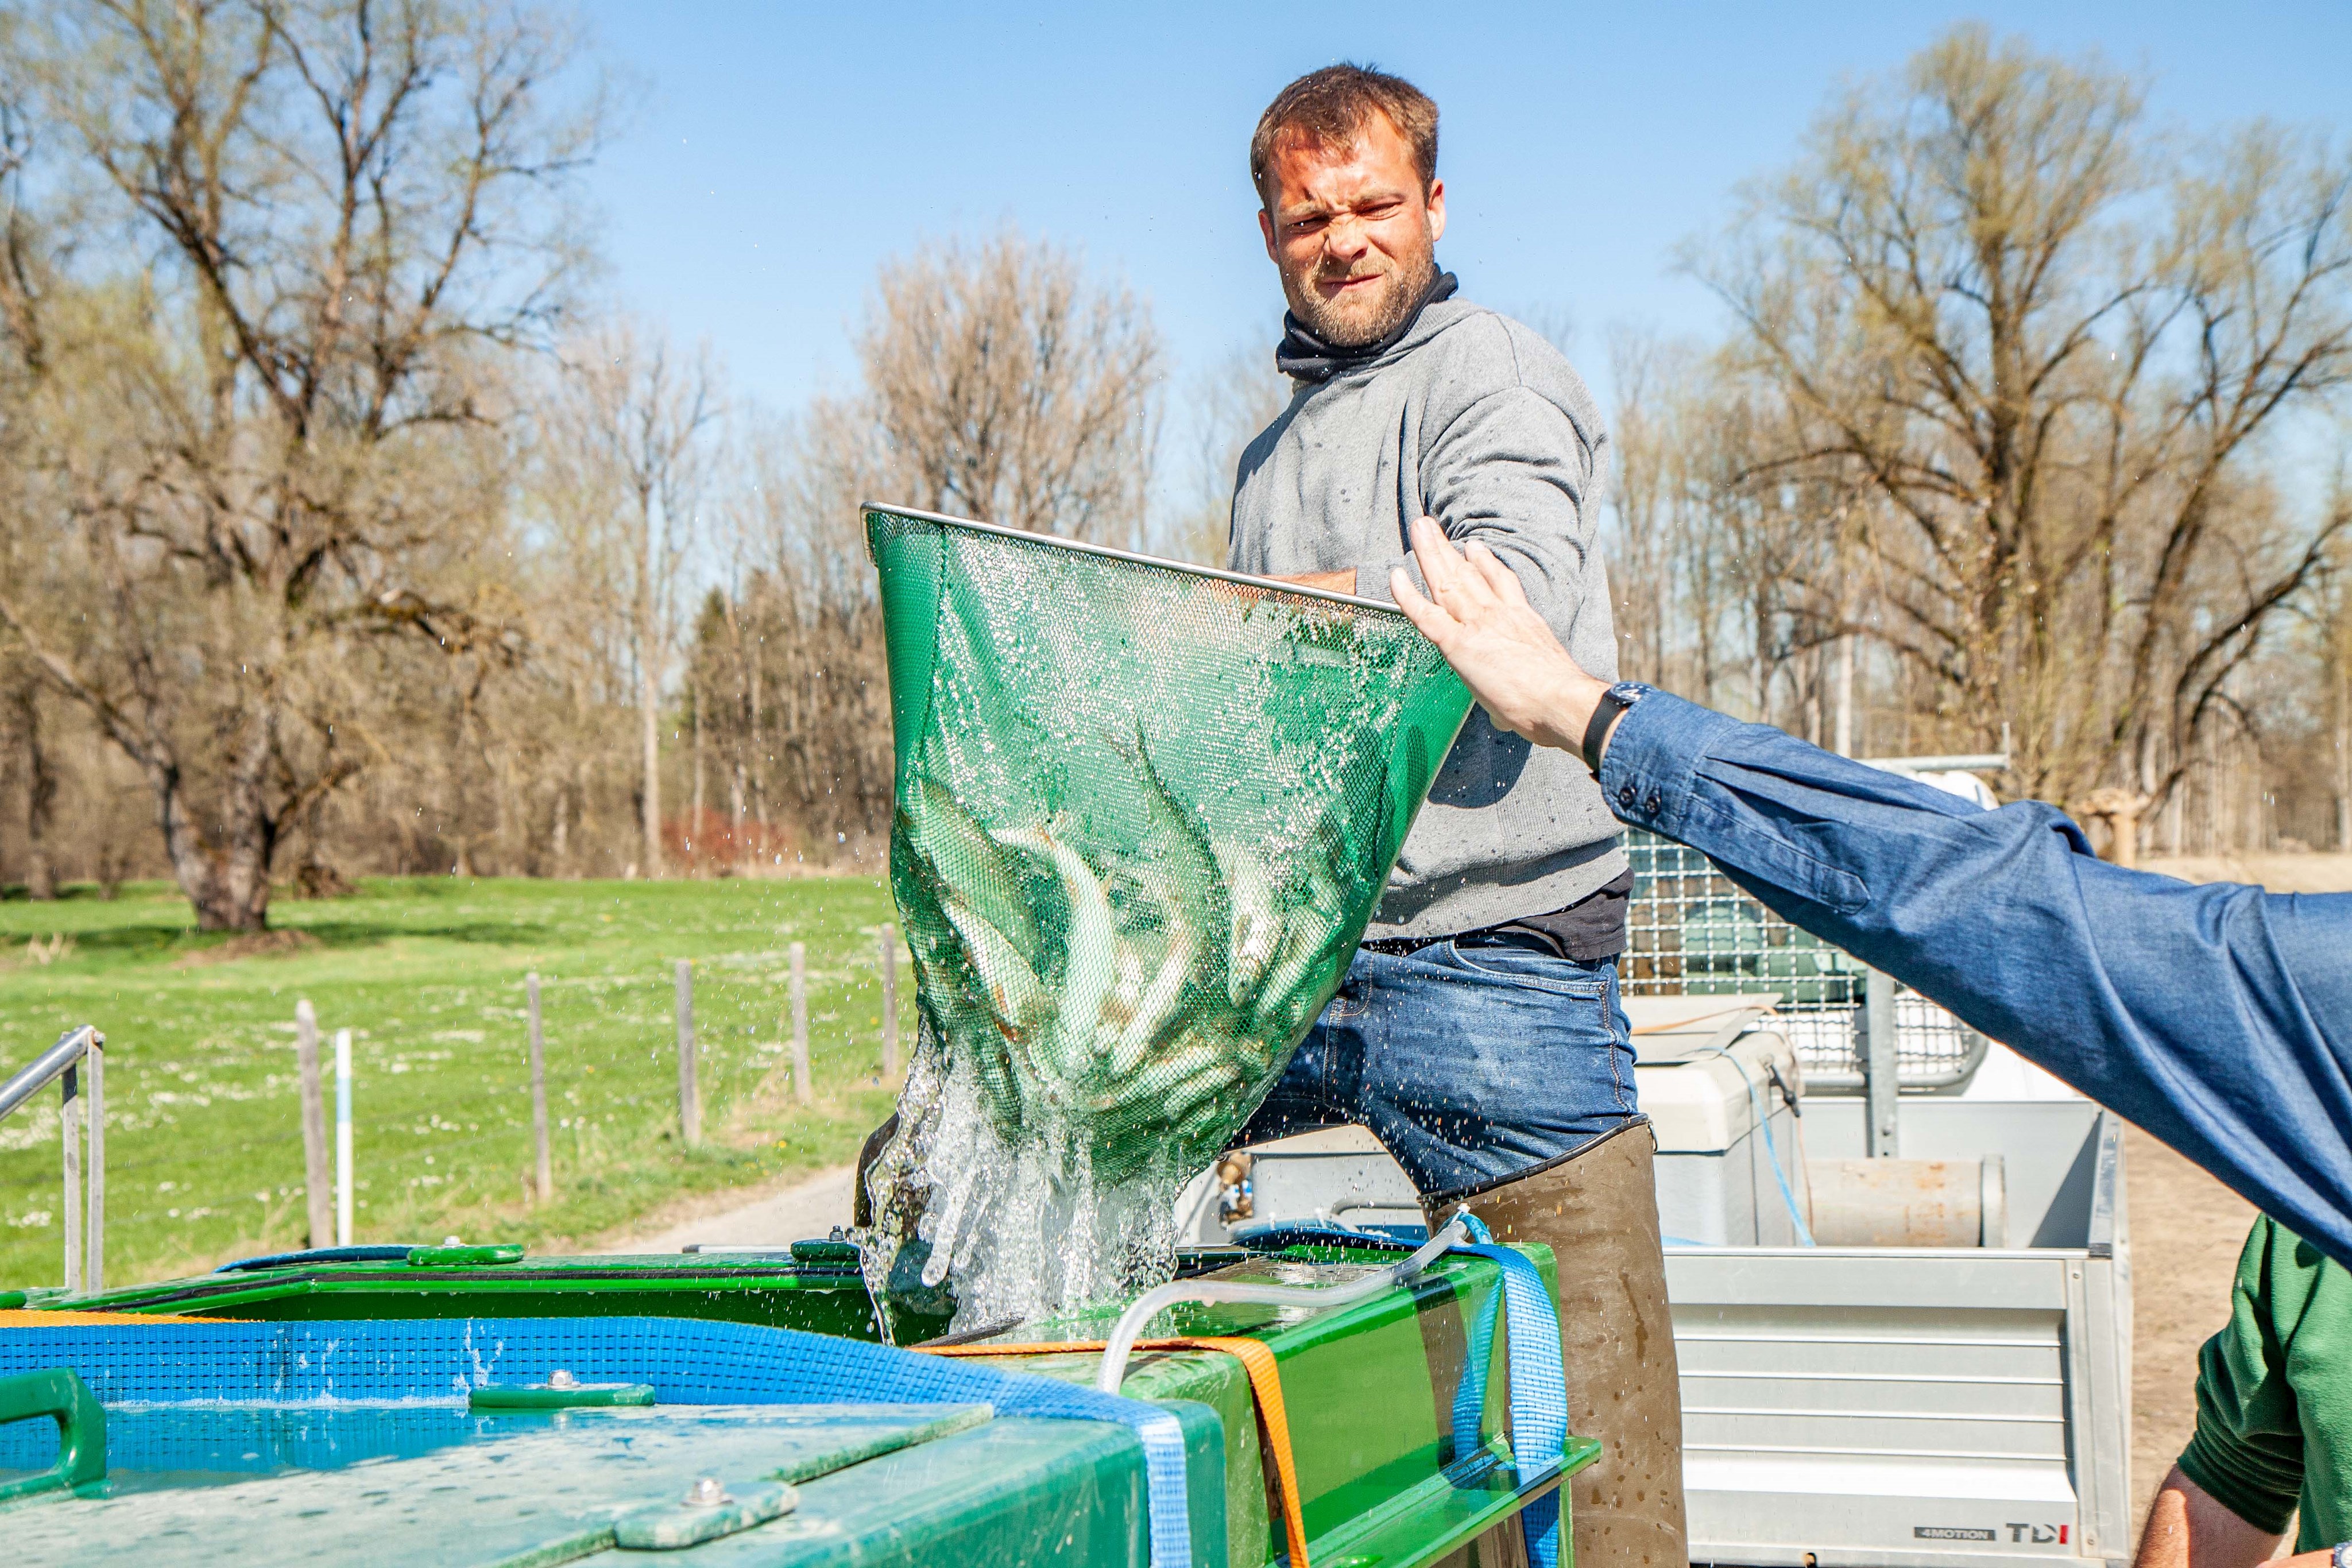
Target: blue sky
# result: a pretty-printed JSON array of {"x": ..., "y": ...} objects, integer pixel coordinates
[{"x": 777, "y": 152}]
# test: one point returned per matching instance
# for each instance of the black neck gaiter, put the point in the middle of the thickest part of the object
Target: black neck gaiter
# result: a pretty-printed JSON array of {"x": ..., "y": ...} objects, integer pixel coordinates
[{"x": 1305, "y": 356}]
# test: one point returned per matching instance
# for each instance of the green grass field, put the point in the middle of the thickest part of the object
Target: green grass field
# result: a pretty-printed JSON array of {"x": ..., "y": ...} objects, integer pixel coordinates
[{"x": 203, "y": 1126}]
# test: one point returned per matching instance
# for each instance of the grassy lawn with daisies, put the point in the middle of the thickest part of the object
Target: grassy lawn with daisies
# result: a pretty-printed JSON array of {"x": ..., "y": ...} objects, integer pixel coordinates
[{"x": 203, "y": 1124}]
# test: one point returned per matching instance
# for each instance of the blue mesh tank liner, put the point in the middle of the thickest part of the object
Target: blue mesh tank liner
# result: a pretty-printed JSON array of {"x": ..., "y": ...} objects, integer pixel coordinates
[
  {"x": 688, "y": 1361},
  {"x": 1538, "y": 1387},
  {"x": 260, "y": 1439},
  {"x": 274, "y": 1440}
]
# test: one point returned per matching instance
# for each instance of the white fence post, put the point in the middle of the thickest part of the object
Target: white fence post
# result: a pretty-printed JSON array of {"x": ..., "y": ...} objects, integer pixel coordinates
[{"x": 343, "y": 1138}]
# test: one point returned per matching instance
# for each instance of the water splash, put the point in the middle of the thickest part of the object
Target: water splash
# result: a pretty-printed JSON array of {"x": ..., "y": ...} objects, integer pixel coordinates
[{"x": 1023, "y": 1232}]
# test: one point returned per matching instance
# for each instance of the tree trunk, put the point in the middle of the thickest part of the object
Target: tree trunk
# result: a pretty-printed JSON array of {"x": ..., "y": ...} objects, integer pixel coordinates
[
  {"x": 2344, "y": 744},
  {"x": 759, "y": 726},
  {"x": 1814, "y": 684},
  {"x": 221, "y": 901},
  {"x": 40, "y": 796},
  {"x": 1843, "y": 732},
  {"x": 649, "y": 715}
]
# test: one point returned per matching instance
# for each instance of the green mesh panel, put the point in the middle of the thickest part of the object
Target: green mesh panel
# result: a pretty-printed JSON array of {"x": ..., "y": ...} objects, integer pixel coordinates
[{"x": 1143, "y": 814}]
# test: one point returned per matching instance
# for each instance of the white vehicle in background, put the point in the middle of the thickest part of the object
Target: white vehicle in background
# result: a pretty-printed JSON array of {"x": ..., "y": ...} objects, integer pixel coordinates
[{"x": 1900, "y": 1274}]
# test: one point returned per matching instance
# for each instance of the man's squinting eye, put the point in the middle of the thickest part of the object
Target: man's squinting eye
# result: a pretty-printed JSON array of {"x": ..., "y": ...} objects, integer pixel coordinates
[{"x": 1371, "y": 212}]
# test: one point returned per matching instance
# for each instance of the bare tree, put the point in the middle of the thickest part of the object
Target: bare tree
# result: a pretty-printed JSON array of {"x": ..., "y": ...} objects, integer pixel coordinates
[
  {"x": 336, "y": 216},
  {"x": 2046, "y": 353},
  {"x": 1649, "y": 375},
  {"x": 628, "y": 456},
  {"x": 1230, "y": 403},
  {"x": 1008, "y": 388},
  {"x": 823, "y": 736}
]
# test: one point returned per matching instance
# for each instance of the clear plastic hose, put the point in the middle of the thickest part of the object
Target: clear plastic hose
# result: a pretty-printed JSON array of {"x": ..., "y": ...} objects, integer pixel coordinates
[{"x": 1149, "y": 1306}]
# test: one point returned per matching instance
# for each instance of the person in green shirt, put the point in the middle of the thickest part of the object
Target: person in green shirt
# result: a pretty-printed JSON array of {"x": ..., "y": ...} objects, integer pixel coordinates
[{"x": 2274, "y": 1420}]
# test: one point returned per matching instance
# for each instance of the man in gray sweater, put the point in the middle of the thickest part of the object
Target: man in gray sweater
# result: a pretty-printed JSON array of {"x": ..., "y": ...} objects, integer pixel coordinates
[{"x": 1478, "y": 1032}]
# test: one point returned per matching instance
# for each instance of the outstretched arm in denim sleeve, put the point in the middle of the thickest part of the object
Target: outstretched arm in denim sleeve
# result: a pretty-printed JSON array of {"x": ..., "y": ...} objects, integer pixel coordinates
[{"x": 2219, "y": 1018}]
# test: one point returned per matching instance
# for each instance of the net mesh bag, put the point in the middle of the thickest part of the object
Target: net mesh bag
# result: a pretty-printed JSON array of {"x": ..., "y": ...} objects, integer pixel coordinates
[{"x": 1142, "y": 815}]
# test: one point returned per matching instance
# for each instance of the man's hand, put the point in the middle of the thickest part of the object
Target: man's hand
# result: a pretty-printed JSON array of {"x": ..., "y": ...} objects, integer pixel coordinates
[{"x": 1500, "y": 647}]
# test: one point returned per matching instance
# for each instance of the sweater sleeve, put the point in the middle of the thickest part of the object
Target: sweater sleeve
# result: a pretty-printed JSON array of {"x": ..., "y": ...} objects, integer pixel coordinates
[
  {"x": 2247, "y": 1452},
  {"x": 1514, "y": 472}
]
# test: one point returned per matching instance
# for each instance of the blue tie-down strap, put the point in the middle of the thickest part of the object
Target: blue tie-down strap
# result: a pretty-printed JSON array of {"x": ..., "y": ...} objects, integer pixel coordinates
[
  {"x": 1538, "y": 1384},
  {"x": 688, "y": 1361}
]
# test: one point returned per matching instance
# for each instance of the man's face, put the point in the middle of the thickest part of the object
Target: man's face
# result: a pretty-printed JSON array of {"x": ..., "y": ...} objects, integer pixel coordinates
[{"x": 1351, "y": 231}]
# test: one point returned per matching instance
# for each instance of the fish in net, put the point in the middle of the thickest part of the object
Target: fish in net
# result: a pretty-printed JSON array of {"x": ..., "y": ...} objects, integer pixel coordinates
[{"x": 1142, "y": 813}]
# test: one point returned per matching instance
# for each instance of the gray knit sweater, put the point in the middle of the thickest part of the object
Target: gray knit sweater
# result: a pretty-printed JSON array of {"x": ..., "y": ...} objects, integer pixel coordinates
[{"x": 1477, "y": 421}]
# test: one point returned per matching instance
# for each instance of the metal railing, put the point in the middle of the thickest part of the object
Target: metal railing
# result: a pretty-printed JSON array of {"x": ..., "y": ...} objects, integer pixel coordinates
[
  {"x": 1691, "y": 932},
  {"x": 78, "y": 1052}
]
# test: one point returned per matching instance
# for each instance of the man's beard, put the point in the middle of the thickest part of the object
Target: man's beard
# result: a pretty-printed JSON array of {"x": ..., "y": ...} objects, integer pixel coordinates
[{"x": 1347, "y": 328}]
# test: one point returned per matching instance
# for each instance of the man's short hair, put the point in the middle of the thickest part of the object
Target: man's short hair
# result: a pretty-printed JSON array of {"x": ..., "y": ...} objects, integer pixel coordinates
[{"x": 1329, "y": 107}]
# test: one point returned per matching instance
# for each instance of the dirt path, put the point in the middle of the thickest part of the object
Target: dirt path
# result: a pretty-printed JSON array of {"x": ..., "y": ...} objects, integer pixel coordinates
[
  {"x": 805, "y": 1207},
  {"x": 2186, "y": 1231}
]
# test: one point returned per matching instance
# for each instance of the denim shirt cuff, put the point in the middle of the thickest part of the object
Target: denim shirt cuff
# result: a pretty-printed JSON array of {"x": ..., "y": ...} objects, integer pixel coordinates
[{"x": 1647, "y": 773}]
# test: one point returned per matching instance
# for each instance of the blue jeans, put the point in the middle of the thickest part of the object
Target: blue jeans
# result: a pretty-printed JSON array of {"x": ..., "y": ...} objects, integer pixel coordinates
[{"x": 1471, "y": 1059}]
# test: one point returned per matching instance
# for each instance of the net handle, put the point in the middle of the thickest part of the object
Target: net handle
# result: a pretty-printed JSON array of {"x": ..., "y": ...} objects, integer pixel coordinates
[{"x": 1267, "y": 584}]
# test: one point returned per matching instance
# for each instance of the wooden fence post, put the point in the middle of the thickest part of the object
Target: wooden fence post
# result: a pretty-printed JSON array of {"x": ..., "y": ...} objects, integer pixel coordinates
[
  {"x": 690, "y": 1105},
  {"x": 802, "y": 1090},
  {"x": 889, "y": 1004},
  {"x": 316, "y": 1185},
  {"x": 538, "y": 1093}
]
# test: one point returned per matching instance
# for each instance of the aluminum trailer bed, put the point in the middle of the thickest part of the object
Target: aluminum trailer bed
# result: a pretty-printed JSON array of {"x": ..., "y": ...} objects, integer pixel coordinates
[{"x": 1924, "y": 1408}]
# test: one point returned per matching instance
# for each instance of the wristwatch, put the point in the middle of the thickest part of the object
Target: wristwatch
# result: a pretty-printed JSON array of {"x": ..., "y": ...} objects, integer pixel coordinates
[
  {"x": 2342, "y": 1556},
  {"x": 1614, "y": 701}
]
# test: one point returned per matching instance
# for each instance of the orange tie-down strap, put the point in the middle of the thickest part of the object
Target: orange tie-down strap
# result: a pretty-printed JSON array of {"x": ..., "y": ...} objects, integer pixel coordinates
[
  {"x": 40, "y": 1318},
  {"x": 1266, "y": 1383}
]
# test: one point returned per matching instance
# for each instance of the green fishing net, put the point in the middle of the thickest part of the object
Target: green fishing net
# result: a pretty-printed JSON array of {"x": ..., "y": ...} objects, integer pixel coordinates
[{"x": 1143, "y": 813}]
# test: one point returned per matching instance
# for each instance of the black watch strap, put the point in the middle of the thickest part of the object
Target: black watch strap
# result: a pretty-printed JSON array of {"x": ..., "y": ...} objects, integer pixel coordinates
[{"x": 1596, "y": 730}]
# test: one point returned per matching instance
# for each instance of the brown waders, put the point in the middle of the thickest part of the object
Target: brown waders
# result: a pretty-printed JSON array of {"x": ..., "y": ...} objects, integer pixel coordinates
[{"x": 1596, "y": 1208}]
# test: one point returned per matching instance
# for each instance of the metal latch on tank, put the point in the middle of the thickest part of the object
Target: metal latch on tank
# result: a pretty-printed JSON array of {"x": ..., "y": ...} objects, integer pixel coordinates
[
  {"x": 562, "y": 1391},
  {"x": 709, "y": 1510}
]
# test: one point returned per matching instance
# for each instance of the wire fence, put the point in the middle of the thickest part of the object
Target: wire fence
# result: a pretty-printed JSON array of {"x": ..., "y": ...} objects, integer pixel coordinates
[{"x": 1691, "y": 932}]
